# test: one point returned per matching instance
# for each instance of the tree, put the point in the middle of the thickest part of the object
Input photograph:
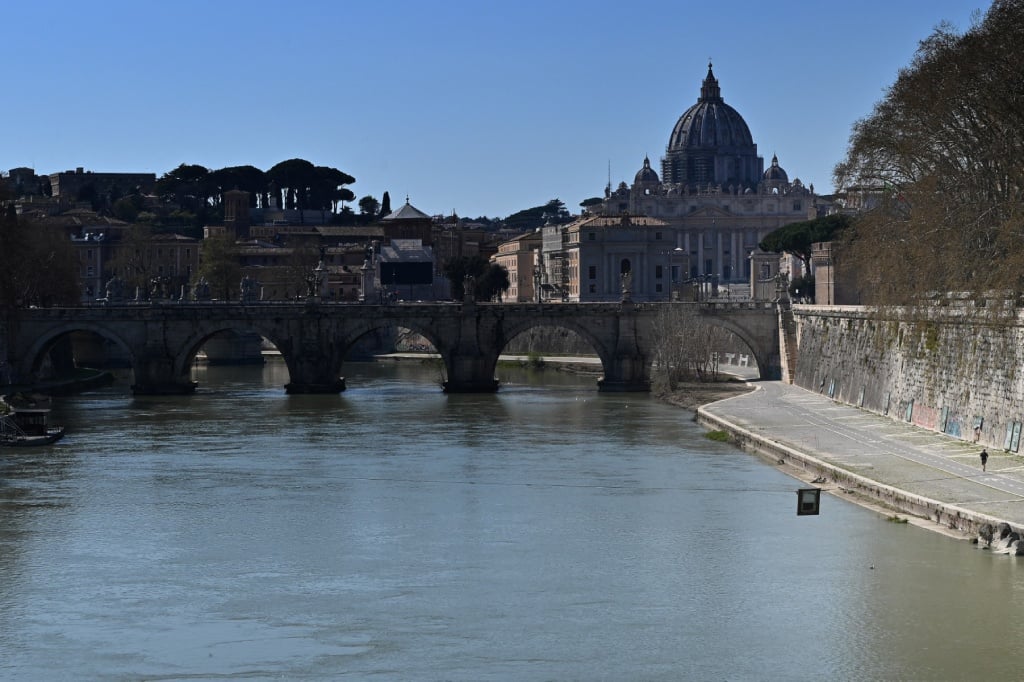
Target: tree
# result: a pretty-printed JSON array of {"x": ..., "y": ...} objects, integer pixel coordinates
[
  {"x": 294, "y": 178},
  {"x": 191, "y": 188},
  {"x": 493, "y": 283},
  {"x": 303, "y": 256},
  {"x": 127, "y": 208},
  {"x": 245, "y": 178},
  {"x": 687, "y": 347},
  {"x": 218, "y": 263},
  {"x": 941, "y": 152},
  {"x": 797, "y": 238},
  {"x": 53, "y": 269},
  {"x": 385, "y": 205},
  {"x": 457, "y": 269},
  {"x": 490, "y": 280},
  {"x": 38, "y": 266},
  {"x": 368, "y": 208},
  {"x": 187, "y": 185},
  {"x": 531, "y": 218},
  {"x": 306, "y": 186},
  {"x": 133, "y": 258},
  {"x": 14, "y": 244},
  {"x": 329, "y": 188}
]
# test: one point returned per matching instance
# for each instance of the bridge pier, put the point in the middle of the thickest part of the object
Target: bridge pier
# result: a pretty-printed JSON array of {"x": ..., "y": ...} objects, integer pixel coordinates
[
  {"x": 296, "y": 388},
  {"x": 625, "y": 374},
  {"x": 310, "y": 377},
  {"x": 158, "y": 376},
  {"x": 470, "y": 375}
]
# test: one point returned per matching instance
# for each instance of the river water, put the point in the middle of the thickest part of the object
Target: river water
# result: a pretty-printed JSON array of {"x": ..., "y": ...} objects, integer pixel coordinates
[{"x": 547, "y": 532}]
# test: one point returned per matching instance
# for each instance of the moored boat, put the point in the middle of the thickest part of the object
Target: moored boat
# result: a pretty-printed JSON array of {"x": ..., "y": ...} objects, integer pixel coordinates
[{"x": 25, "y": 420}]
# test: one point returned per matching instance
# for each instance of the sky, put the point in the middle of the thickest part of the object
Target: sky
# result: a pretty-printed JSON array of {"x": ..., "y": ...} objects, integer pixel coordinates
[{"x": 476, "y": 108}]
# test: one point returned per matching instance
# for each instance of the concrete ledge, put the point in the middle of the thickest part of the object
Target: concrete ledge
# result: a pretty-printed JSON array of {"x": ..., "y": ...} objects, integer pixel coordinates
[{"x": 947, "y": 515}]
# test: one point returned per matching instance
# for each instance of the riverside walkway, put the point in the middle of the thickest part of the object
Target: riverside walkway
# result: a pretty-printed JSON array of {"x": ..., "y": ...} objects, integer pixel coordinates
[{"x": 914, "y": 470}]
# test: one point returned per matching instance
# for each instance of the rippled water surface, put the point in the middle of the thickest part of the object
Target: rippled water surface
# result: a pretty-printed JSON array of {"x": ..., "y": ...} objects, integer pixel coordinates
[{"x": 547, "y": 532}]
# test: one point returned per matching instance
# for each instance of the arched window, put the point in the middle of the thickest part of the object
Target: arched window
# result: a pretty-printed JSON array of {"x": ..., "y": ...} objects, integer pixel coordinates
[{"x": 625, "y": 266}]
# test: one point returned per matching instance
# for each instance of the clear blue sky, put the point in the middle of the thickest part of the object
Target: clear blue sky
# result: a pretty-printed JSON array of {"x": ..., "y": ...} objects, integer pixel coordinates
[{"x": 477, "y": 107}]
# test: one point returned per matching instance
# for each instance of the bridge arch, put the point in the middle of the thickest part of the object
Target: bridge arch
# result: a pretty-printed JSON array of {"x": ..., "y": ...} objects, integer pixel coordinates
[
  {"x": 32, "y": 358},
  {"x": 180, "y": 370},
  {"x": 517, "y": 329},
  {"x": 357, "y": 330},
  {"x": 765, "y": 356}
]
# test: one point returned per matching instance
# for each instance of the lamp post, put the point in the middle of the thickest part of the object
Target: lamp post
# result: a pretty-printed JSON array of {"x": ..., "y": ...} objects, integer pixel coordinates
[{"x": 675, "y": 266}]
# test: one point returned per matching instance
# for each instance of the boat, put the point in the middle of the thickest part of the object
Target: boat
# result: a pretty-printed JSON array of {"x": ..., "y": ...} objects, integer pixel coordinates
[{"x": 25, "y": 420}]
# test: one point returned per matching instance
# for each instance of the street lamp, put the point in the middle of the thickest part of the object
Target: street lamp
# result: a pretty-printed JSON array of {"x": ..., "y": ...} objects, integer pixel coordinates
[{"x": 675, "y": 266}]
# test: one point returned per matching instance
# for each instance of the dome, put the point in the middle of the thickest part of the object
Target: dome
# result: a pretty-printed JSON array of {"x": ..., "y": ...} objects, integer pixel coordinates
[
  {"x": 711, "y": 145},
  {"x": 710, "y": 122},
  {"x": 775, "y": 171},
  {"x": 646, "y": 174}
]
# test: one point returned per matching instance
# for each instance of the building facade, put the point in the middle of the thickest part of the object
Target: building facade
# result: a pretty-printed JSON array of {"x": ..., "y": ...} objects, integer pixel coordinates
[
  {"x": 714, "y": 198},
  {"x": 521, "y": 258},
  {"x": 609, "y": 258}
]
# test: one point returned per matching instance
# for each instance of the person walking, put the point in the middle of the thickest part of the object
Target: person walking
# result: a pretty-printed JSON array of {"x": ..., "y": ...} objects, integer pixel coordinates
[{"x": 984, "y": 458}]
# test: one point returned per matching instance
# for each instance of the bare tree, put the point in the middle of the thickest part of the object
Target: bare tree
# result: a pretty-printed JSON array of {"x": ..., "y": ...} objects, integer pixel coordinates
[
  {"x": 687, "y": 346},
  {"x": 942, "y": 150}
]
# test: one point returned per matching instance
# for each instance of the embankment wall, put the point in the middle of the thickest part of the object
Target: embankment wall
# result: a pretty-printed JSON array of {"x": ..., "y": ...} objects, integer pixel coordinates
[{"x": 956, "y": 370}]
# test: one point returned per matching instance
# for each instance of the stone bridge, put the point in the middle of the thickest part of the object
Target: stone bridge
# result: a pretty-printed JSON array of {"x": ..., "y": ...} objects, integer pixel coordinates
[{"x": 162, "y": 338}]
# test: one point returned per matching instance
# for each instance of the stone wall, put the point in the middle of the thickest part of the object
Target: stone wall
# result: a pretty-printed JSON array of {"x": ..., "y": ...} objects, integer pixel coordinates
[{"x": 950, "y": 369}]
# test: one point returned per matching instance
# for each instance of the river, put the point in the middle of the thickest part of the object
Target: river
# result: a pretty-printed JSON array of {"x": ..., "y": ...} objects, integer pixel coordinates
[{"x": 546, "y": 532}]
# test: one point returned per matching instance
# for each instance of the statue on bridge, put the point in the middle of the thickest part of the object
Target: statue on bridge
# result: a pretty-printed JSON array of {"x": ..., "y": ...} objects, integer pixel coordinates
[
  {"x": 115, "y": 289},
  {"x": 158, "y": 286},
  {"x": 201, "y": 292},
  {"x": 249, "y": 290},
  {"x": 627, "y": 286},
  {"x": 782, "y": 287}
]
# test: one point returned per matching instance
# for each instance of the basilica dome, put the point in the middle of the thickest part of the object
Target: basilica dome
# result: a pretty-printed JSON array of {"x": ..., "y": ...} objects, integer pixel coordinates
[
  {"x": 710, "y": 122},
  {"x": 646, "y": 175},
  {"x": 775, "y": 173},
  {"x": 711, "y": 144}
]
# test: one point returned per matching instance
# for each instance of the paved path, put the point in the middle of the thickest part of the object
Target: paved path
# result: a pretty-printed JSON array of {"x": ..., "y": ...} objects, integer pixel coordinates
[{"x": 891, "y": 452}]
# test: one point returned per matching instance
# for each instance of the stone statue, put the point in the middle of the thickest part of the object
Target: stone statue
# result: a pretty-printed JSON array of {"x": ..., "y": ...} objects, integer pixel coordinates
[
  {"x": 115, "y": 289},
  {"x": 202, "y": 290},
  {"x": 249, "y": 288},
  {"x": 627, "y": 285}
]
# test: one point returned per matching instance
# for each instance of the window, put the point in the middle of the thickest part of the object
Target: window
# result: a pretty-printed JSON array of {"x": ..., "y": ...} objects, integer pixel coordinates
[
  {"x": 797, "y": 206},
  {"x": 591, "y": 236},
  {"x": 657, "y": 287},
  {"x": 592, "y": 272},
  {"x": 90, "y": 271},
  {"x": 658, "y": 273},
  {"x": 657, "y": 236}
]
